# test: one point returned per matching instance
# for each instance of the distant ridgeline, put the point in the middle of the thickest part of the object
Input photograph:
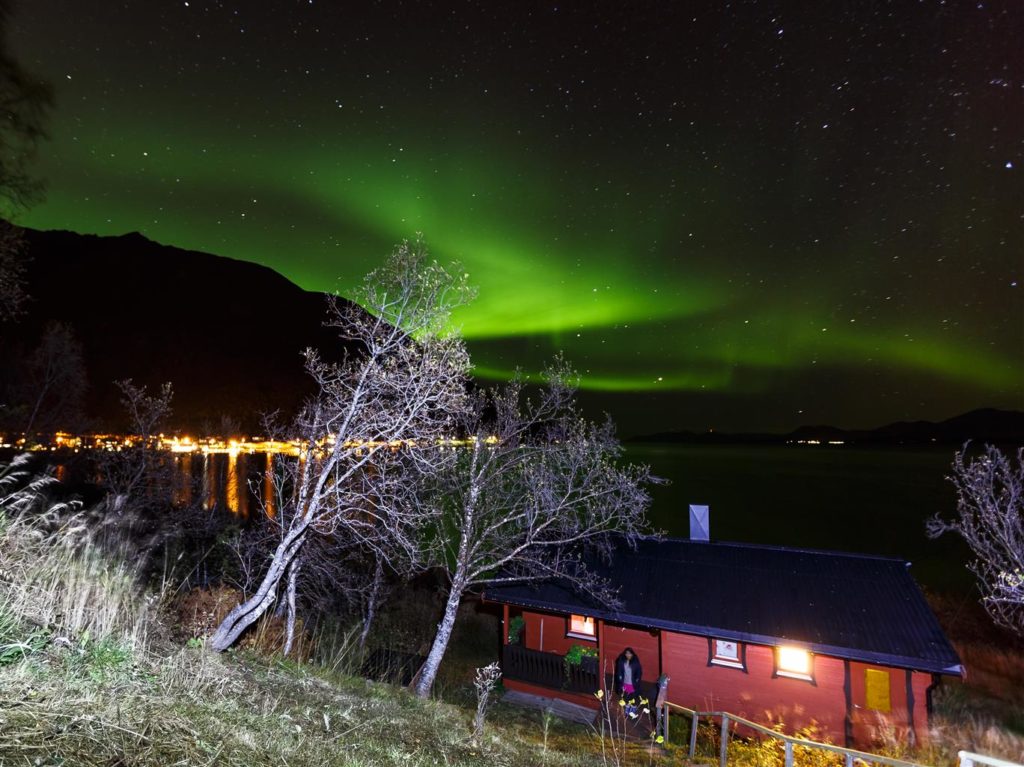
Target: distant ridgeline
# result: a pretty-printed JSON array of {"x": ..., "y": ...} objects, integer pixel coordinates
[
  {"x": 985, "y": 425},
  {"x": 229, "y": 334}
]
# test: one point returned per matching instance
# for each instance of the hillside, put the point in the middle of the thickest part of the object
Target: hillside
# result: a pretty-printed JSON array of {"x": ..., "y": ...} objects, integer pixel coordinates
[
  {"x": 228, "y": 333},
  {"x": 982, "y": 425}
]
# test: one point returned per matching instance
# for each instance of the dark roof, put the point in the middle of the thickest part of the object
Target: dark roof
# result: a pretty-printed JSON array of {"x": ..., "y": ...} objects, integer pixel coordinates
[{"x": 852, "y": 606}]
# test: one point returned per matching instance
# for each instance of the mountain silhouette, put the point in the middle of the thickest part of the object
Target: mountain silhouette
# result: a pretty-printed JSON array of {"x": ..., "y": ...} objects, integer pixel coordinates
[
  {"x": 229, "y": 334},
  {"x": 982, "y": 425}
]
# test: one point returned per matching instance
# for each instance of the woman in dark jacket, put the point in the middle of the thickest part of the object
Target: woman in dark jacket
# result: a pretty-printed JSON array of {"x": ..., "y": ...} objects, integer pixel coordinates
[{"x": 628, "y": 672}]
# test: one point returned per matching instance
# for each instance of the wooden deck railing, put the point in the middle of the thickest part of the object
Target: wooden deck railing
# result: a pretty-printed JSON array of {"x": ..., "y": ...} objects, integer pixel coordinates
[
  {"x": 852, "y": 756},
  {"x": 969, "y": 759},
  {"x": 548, "y": 669}
]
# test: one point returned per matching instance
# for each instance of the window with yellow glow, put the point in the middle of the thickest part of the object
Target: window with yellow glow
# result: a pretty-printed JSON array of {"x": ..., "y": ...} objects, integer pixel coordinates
[
  {"x": 794, "y": 662},
  {"x": 582, "y": 626},
  {"x": 876, "y": 690}
]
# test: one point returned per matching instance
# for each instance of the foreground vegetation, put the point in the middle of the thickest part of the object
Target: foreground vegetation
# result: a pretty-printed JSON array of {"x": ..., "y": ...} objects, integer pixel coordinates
[
  {"x": 98, "y": 668},
  {"x": 94, "y": 671}
]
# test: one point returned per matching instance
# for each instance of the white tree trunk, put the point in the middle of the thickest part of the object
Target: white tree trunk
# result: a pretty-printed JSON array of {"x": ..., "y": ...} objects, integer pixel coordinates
[
  {"x": 371, "y": 604},
  {"x": 249, "y": 611},
  {"x": 293, "y": 578},
  {"x": 428, "y": 673}
]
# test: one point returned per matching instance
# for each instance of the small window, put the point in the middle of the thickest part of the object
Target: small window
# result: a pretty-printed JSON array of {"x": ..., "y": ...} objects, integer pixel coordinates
[
  {"x": 794, "y": 662},
  {"x": 726, "y": 652},
  {"x": 582, "y": 626},
  {"x": 876, "y": 690}
]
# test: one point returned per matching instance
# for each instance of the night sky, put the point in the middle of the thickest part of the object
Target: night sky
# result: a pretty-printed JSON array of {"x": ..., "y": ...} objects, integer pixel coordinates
[{"x": 735, "y": 215}]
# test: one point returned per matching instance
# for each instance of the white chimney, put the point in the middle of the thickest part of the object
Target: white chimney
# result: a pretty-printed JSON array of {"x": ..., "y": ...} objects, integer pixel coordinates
[{"x": 700, "y": 523}]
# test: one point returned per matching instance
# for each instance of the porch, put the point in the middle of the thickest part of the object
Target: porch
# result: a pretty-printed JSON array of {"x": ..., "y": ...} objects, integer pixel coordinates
[
  {"x": 546, "y": 674},
  {"x": 549, "y": 670}
]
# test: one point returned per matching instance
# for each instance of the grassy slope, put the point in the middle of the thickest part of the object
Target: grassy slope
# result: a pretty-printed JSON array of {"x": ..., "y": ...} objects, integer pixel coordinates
[
  {"x": 96, "y": 703},
  {"x": 90, "y": 676},
  {"x": 99, "y": 702}
]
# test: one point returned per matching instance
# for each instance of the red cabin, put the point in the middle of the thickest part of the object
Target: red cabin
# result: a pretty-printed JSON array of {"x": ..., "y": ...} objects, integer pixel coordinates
[{"x": 844, "y": 641}]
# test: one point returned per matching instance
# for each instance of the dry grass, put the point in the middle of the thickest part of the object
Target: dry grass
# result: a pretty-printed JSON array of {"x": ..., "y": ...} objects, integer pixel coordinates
[{"x": 89, "y": 676}]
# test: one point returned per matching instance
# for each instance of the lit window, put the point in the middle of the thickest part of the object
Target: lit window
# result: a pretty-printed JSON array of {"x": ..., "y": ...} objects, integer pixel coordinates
[
  {"x": 725, "y": 652},
  {"x": 582, "y": 626},
  {"x": 794, "y": 662}
]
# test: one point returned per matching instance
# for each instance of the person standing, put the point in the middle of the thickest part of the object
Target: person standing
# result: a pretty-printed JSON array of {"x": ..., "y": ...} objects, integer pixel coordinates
[{"x": 628, "y": 673}]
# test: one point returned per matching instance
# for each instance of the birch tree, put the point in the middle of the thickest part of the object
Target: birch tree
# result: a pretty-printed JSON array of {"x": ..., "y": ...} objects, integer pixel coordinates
[
  {"x": 990, "y": 518},
  {"x": 25, "y": 104},
  {"x": 371, "y": 431},
  {"x": 137, "y": 473},
  {"x": 54, "y": 381},
  {"x": 537, "y": 486}
]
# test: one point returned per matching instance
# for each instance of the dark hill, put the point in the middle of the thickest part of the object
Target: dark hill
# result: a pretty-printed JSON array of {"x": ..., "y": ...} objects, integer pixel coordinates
[
  {"x": 983, "y": 425},
  {"x": 228, "y": 333}
]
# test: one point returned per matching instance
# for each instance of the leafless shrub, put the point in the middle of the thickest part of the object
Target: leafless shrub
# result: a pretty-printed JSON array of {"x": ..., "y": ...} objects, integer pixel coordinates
[
  {"x": 990, "y": 518},
  {"x": 485, "y": 681}
]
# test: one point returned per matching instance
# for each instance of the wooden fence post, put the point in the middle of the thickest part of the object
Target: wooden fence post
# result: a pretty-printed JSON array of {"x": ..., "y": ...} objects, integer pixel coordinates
[
  {"x": 693, "y": 735},
  {"x": 724, "y": 748},
  {"x": 789, "y": 753}
]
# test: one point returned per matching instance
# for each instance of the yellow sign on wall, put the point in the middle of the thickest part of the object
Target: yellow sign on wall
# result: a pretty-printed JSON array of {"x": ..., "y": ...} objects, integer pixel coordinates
[{"x": 876, "y": 686}]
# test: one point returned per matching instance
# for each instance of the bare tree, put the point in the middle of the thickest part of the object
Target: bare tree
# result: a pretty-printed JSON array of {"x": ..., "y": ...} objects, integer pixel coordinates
[
  {"x": 12, "y": 271},
  {"x": 25, "y": 103},
  {"x": 990, "y": 517},
  {"x": 137, "y": 471},
  {"x": 372, "y": 429},
  {"x": 536, "y": 487},
  {"x": 54, "y": 380}
]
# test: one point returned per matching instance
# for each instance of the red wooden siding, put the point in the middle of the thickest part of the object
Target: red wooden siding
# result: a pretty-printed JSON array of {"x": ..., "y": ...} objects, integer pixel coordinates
[
  {"x": 755, "y": 695},
  {"x": 871, "y": 726},
  {"x": 583, "y": 700},
  {"x": 615, "y": 638},
  {"x": 921, "y": 681},
  {"x": 554, "y": 633}
]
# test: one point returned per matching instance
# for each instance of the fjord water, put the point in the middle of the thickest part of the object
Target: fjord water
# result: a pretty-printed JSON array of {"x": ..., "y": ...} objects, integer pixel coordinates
[{"x": 866, "y": 500}]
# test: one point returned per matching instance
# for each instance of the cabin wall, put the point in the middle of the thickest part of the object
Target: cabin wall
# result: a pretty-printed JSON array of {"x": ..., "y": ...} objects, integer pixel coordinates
[
  {"x": 921, "y": 682},
  {"x": 872, "y": 724},
  {"x": 753, "y": 693},
  {"x": 587, "y": 701},
  {"x": 548, "y": 632},
  {"x": 615, "y": 638}
]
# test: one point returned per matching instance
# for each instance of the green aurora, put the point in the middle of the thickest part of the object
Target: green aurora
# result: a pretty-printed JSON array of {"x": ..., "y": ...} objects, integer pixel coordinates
[
  {"x": 709, "y": 271},
  {"x": 588, "y": 293}
]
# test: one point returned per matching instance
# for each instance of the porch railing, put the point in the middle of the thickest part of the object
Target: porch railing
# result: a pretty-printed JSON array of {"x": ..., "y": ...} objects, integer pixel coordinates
[
  {"x": 969, "y": 759},
  {"x": 548, "y": 669},
  {"x": 852, "y": 757}
]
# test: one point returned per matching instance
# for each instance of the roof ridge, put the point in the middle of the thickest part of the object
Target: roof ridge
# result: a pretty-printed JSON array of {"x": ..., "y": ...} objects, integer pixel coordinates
[{"x": 776, "y": 547}]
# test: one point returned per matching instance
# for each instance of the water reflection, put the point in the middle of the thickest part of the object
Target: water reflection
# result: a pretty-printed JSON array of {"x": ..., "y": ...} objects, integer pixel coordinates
[
  {"x": 241, "y": 483},
  {"x": 182, "y": 490}
]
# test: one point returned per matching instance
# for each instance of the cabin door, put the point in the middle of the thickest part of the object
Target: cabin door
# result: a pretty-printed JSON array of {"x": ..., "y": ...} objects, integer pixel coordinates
[{"x": 645, "y": 643}]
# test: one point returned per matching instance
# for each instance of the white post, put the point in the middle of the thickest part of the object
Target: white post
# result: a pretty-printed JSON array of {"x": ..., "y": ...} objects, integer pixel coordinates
[
  {"x": 724, "y": 749},
  {"x": 693, "y": 735},
  {"x": 970, "y": 759}
]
